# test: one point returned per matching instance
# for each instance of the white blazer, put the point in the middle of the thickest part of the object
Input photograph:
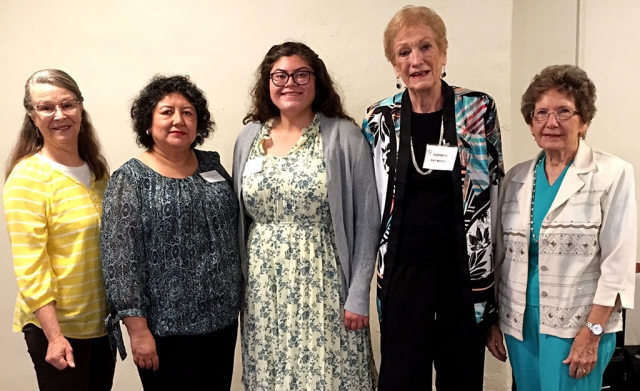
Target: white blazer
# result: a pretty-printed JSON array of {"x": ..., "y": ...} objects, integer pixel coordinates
[{"x": 587, "y": 245}]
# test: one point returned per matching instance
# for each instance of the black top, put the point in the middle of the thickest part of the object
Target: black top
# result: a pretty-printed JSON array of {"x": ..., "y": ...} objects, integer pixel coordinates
[{"x": 428, "y": 207}]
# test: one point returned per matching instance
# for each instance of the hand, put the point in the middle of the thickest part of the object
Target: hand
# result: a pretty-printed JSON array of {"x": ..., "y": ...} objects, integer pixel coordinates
[
  {"x": 60, "y": 353},
  {"x": 354, "y": 321},
  {"x": 495, "y": 344},
  {"x": 59, "y": 350},
  {"x": 143, "y": 346},
  {"x": 583, "y": 355}
]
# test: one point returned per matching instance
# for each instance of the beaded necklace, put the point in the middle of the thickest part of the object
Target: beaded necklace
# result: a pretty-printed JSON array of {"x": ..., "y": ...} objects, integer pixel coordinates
[{"x": 533, "y": 197}]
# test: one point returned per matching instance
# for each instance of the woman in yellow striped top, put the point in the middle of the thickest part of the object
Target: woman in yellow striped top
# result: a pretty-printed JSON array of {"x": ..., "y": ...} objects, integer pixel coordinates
[{"x": 56, "y": 177}]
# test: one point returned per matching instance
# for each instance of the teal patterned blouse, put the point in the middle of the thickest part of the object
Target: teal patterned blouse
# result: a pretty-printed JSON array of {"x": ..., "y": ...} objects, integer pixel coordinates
[{"x": 170, "y": 249}]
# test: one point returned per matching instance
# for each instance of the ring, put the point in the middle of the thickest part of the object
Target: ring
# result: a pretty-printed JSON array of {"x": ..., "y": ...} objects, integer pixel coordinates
[{"x": 584, "y": 371}]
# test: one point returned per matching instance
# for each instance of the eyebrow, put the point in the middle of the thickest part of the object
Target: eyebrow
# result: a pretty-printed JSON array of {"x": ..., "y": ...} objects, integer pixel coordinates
[
  {"x": 420, "y": 41},
  {"x": 43, "y": 102},
  {"x": 559, "y": 107},
  {"x": 173, "y": 107},
  {"x": 296, "y": 70}
]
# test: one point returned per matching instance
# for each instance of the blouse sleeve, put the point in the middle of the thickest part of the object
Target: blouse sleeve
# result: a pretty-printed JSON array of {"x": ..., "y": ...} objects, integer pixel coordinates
[
  {"x": 25, "y": 209},
  {"x": 123, "y": 247}
]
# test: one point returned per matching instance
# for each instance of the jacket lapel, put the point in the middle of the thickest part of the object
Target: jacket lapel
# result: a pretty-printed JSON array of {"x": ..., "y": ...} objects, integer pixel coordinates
[
  {"x": 525, "y": 192},
  {"x": 582, "y": 164}
]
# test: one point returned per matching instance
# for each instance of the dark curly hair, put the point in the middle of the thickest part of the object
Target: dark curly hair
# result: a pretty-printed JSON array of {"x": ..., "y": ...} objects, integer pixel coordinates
[
  {"x": 327, "y": 100},
  {"x": 159, "y": 87},
  {"x": 568, "y": 79}
]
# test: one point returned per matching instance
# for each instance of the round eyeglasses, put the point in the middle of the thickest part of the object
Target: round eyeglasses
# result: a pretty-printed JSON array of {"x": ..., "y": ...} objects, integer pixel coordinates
[
  {"x": 67, "y": 107},
  {"x": 561, "y": 114},
  {"x": 281, "y": 78}
]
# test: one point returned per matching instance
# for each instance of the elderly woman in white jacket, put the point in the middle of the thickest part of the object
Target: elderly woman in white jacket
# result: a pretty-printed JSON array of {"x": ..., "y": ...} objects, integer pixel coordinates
[{"x": 565, "y": 262}]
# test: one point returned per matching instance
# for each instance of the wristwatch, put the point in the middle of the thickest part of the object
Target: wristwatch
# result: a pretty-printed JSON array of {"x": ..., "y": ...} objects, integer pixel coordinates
[{"x": 596, "y": 329}]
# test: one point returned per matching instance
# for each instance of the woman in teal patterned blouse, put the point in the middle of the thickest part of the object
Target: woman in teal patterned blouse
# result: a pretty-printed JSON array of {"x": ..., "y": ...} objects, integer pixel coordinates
[{"x": 170, "y": 247}]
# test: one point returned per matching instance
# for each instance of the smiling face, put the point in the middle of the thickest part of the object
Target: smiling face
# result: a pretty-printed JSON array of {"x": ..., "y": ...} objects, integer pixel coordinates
[
  {"x": 553, "y": 135},
  {"x": 174, "y": 123},
  {"x": 60, "y": 130},
  {"x": 293, "y": 99},
  {"x": 417, "y": 59}
]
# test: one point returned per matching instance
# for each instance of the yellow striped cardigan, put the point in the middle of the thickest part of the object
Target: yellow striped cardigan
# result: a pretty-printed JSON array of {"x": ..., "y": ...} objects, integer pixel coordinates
[{"x": 54, "y": 228}]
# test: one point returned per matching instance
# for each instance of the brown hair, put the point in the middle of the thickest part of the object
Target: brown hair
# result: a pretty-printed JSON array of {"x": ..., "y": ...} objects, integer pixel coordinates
[
  {"x": 29, "y": 140},
  {"x": 567, "y": 79},
  {"x": 327, "y": 100},
  {"x": 410, "y": 16}
]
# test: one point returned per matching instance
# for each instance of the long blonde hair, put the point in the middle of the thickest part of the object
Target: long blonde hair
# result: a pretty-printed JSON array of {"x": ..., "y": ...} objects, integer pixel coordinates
[{"x": 30, "y": 141}]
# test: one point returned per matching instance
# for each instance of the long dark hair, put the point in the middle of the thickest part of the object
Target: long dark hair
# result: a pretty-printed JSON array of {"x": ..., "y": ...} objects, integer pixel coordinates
[
  {"x": 327, "y": 100},
  {"x": 29, "y": 140}
]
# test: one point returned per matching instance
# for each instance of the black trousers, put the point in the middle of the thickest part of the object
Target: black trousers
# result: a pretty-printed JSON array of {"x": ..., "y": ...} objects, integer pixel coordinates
[
  {"x": 193, "y": 362},
  {"x": 94, "y": 363},
  {"x": 424, "y": 323}
]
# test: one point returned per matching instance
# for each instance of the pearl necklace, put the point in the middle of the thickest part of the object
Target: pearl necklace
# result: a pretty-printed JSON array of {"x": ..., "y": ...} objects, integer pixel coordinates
[
  {"x": 533, "y": 198},
  {"x": 413, "y": 154}
]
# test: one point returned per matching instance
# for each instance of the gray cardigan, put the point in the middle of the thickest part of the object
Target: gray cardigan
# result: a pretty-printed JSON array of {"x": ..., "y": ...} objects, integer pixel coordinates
[{"x": 353, "y": 203}]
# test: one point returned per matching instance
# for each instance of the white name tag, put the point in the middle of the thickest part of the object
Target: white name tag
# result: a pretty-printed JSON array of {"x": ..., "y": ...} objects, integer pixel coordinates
[
  {"x": 440, "y": 158},
  {"x": 212, "y": 176},
  {"x": 253, "y": 166}
]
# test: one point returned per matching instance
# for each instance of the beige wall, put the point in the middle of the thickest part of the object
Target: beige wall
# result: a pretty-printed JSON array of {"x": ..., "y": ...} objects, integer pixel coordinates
[
  {"x": 609, "y": 52},
  {"x": 113, "y": 48}
]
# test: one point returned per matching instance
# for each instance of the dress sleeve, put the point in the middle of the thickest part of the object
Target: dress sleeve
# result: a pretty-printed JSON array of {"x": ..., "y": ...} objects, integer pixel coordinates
[
  {"x": 122, "y": 246},
  {"x": 618, "y": 242},
  {"x": 25, "y": 209}
]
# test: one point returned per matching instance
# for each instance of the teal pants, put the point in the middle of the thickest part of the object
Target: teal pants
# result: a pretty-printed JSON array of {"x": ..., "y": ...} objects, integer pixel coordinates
[{"x": 537, "y": 360}]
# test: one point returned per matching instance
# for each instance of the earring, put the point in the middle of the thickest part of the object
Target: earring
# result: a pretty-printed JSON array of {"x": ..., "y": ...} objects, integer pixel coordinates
[
  {"x": 38, "y": 135},
  {"x": 148, "y": 132},
  {"x": 398, "y": 85},
  {"x": 444, "y": 72}
]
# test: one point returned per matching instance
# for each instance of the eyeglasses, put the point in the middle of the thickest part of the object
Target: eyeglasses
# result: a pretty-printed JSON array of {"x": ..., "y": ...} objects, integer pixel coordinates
[
  {"x": 281, "y": 78},
  {"x": 68, "y": 107},
  {"x": 562, "y": 114}
]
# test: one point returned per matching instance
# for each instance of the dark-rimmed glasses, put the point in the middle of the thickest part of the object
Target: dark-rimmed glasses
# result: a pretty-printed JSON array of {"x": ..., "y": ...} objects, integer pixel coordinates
[
  {"x": 281, "y": 78},
  {"x": 561, "y": 114},
  {"x": 68, "y": 107}
]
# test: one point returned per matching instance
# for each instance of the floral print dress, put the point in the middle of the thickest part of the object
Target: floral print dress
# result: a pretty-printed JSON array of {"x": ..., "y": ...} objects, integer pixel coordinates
[{"x": 293, "y": 335}]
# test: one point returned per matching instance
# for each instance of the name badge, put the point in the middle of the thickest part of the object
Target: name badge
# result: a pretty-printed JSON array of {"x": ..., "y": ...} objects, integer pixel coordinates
[
  {"x": 440, "y": 157},
  {"x": 212, "y": 176},
  {"x": 253, "y": 166}
]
